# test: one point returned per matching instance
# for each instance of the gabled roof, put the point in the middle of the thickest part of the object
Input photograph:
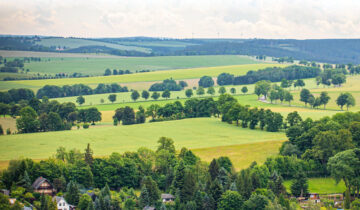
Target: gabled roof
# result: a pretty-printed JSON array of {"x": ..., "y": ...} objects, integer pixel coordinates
[
  {"x": 38, "y": 182},
  {"x": 5, "y": 192},
  {"x": 167, "y": 196},
  {"x": 58, "y": 199}
]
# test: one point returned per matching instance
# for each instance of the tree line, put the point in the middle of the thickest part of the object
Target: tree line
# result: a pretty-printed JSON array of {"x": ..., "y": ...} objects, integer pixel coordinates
[
  {"x": 168, "y": 84},
  {"x": 273, "y": 74},
  {"x": 53, "y": 91},
  {"x": 226, "y": 106},
  {"x": 108, "y": 72},
  {"x": 41, "y": 116}
]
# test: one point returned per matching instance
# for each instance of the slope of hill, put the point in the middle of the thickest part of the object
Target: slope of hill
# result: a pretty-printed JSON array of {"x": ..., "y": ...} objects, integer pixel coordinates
[{"x": 320, "y": 50}]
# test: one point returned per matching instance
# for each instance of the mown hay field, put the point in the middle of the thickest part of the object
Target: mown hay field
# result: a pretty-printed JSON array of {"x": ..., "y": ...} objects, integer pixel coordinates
[
  {"x": 177, "y": 74},
  {"x": 92, "y": 65},
  {"x": 191, "y": 133}
]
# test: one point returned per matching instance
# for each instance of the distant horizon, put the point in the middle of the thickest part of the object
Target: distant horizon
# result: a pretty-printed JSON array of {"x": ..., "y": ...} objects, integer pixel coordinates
[
  {"x": 183, "y": 19},
  {"x": 154, "y": 37}
]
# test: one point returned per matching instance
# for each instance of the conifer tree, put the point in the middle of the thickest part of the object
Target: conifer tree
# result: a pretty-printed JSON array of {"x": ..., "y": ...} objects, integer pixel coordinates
[
  {"x": 188, "y": 190},
  {"x": 214, "y": 169},
  {"x": 43, "y": 202},
  {"x": 144, "y": 198},
  {"x": 25, "y": 182},
  {"x": 72, "y": 195},
  {"x": 90, "y": 206},
  {"x": 233, "y": 187},
  {"x": 224, "y": 178},
  {"x": 178, "y": 181},
  {"x": 89, "y": 155},
  {"x": 152, "y": 188},
  {"x": 106, "y": 191},
  {"x": 216, "y": 190}
]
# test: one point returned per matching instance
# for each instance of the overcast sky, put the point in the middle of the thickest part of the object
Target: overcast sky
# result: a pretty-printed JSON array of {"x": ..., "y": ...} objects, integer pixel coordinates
[{"x": 300, "y": 19}]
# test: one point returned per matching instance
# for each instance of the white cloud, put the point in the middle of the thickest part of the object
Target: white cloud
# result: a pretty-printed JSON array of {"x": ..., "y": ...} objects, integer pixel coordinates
[{"x": 182, "y": 18}]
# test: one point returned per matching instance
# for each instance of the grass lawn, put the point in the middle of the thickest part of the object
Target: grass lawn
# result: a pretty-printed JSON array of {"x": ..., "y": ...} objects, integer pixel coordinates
[
  {"x": 191, "y": 133},
  {"x": 241, "y": 155},
  {"x": 97, "y": 65},
  {"x": 177, "y": 74},
  {"x": 321, "y": 186}
]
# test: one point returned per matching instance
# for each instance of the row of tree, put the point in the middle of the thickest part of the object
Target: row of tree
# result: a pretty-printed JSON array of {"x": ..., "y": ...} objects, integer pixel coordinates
[
  {"x": 226, "y": 106},
  {"x": 108, "y": 72},
  {"x": 168, "y": 84},
  {"x": 53, "y": 91},
  {"x": 273, "y": 74},
  {"x": 40, "y": 116},
  {"x": 16, "y": 95},
  {"x": 332, "y": 76},
  {"x": 344, "y": 99}
]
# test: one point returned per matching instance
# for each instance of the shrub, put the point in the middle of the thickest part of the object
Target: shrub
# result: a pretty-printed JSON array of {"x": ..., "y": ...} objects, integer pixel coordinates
[{"x": 86, "y": 125}]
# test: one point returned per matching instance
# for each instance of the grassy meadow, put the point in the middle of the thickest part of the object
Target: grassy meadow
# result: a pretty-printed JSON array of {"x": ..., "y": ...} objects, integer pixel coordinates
[
  {"x": 177, "y": 74},
  {"x": 321, "y": 186},
  {"x": 191, "y": 133},
  {"x": 97, "y": 65}
]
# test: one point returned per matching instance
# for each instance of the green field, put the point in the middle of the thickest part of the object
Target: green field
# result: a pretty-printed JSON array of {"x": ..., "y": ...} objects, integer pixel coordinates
[
  {"x": 241, "y": 155},
  {"x": 97, "y": 65},
  {"x": 141, "y": 77},
  {"x": 321, "y": 186},
  {"x": 190, "y": 133},
  {"x": 24, "y": 54}
]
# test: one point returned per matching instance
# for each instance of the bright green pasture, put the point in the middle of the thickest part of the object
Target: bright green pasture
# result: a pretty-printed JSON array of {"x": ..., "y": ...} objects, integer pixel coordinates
[
  {"x": 190, "y": 133},
  {"x": 123, "y": 99},
  {"x": 352, "y": 86},
  {"x": 321, "y": 186},
  {"x": 75, "y": 43},
  {"x": 143, "y": 77},
  {"x": 97, "y": 66}
]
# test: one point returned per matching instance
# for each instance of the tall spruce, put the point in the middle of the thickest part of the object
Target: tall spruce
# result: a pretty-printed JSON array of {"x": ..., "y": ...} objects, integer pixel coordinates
[
  {"x": 151, "y": 186},
  {"x": 179, "y": 179},
  {"x": 72, "y": 195},
  {"x": 188, "y": 190},
  {"x": 214, "y": 169},
  {"x": 216, "y": 190},
  {"x": 144, "y": 198},
  {"x": 43, "y": 203},
  {"x": 89, "y": 155}
]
